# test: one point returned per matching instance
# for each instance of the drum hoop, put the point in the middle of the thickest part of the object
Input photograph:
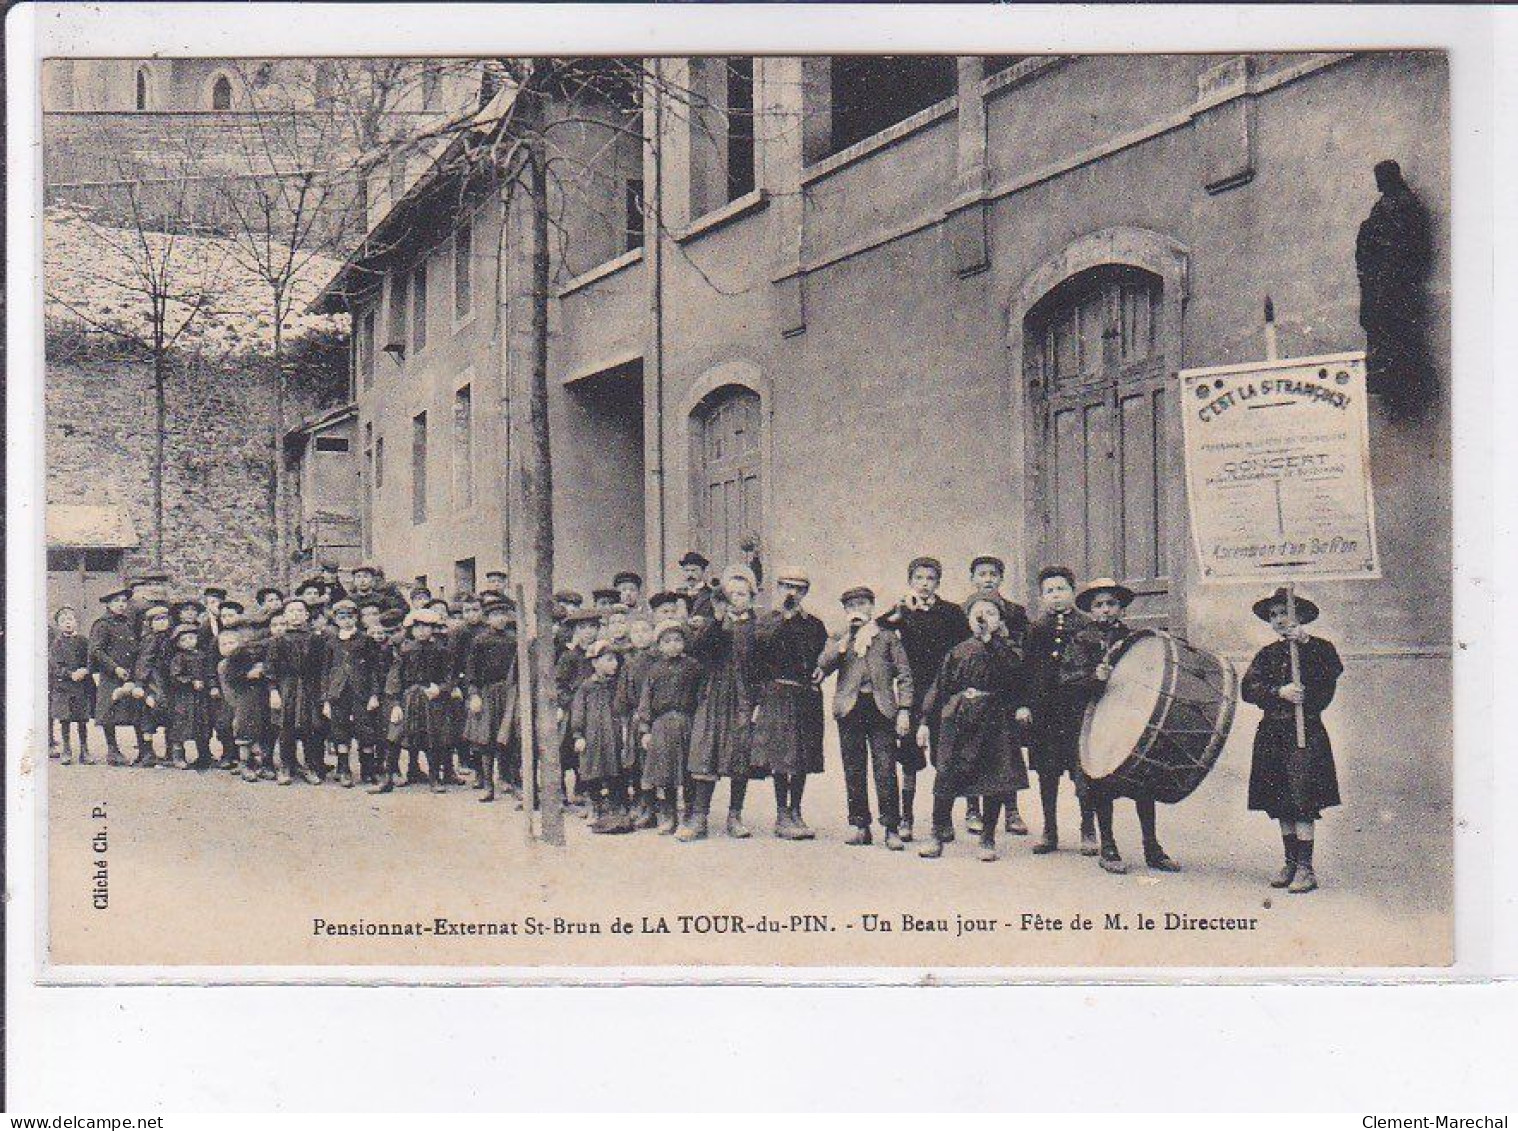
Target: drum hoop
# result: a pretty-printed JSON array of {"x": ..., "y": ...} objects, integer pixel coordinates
[
  {"x": 1116, "y": 653},
  {"x": 1224, "y": 724}
]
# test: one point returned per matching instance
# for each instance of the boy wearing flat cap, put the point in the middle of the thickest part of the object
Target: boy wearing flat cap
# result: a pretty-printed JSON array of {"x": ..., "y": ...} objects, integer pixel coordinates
[
  {"x": 663, "y": 720},
  {"x": 929, "y": 628},
  {"x": 151, "y": 674},
  {"x": 490, "y": 682},
  {"x": 1084, "y": 673},
  {"x": 191, "y": 677},
  {"x": 350, "y": 691},
  {"x": 788, "y": 724},
  {"x": 1291, "y": 782},
  {"x": 113, "y": 654},
  {"x": 297, "y": 666},
  {"x": 872, "y": 704},
  {"x": 1054, "y": 739},
  {"x": 419, "y": 686}
]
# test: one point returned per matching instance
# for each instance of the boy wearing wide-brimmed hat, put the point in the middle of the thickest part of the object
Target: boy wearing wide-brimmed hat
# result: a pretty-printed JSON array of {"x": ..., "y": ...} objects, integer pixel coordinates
[
  {"x": 1290, "y": 781},
  {"x": 1083, "y": 676}
]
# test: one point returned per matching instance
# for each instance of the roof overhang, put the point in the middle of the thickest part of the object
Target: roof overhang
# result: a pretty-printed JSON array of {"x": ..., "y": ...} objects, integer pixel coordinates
[{"x": 90, "y": 527}]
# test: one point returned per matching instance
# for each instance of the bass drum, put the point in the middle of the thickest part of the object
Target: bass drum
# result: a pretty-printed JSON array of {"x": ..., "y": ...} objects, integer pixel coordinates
[{"x": 1162, "y": 721}]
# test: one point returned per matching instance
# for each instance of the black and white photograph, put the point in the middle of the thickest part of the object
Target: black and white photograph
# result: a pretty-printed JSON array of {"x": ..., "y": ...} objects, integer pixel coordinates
[{"x": 777, "y": 511}]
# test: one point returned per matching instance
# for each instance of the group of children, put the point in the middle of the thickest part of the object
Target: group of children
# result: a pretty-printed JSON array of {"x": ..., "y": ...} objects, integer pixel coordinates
[{"x": 660, "y": 699}]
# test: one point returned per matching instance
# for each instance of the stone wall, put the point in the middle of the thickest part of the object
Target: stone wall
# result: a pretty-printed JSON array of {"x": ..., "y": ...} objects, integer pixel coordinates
[{"x": 100, "y": 450}]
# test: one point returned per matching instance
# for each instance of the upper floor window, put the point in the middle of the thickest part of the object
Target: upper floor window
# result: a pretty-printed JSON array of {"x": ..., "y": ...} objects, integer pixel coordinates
[
  {"x": 722, "y": 130},
  {"x": 221, "y": 93},
  {"x": 419, "y": 468},
  {"x": 419, "y": 307},
  {"x": 395, "y": 336},
  {"x": 144, "y": 89},
  {"x": 871, "y": 93},
  {"x": 463, "y": 271},
  {"x": 365, "y": 347}
]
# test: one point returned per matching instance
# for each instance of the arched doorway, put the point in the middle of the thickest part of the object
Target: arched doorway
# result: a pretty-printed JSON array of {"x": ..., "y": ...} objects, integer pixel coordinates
[
  {"x": 1095, "y": 367},
  {"x": 726, "y": 472}
]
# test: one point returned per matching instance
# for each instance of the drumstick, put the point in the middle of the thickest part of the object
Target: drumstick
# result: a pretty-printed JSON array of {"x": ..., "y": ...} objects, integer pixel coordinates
[{"x": 1296, "y": 666}]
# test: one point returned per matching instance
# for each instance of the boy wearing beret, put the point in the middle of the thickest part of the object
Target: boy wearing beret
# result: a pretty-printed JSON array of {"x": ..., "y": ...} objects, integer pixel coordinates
[
  {"x": 872, "y": 704},
  {"x": 1292, "y": 783}
]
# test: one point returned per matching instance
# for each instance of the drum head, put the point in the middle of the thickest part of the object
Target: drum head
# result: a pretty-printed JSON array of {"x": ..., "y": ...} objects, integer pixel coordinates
[{"x": 1120, "y": 717}]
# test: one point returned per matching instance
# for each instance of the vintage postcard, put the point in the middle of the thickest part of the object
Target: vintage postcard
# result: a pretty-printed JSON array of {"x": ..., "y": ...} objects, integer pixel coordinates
[{"x": 683, "y": 514}]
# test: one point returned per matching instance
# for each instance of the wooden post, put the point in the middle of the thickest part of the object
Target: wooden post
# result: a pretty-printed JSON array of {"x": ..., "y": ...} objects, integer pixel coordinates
[
  {"x": 1272, "y": 352},
  {"x": 1296, "y": 666}
]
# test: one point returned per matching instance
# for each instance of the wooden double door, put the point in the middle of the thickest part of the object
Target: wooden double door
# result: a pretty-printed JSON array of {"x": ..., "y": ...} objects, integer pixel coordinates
[
  {"x": 728, "y": 463},
  {"x": 1104, "y": 487}
]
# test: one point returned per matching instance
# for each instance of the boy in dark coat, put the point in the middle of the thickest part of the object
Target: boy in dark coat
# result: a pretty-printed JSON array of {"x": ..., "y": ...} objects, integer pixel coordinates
[
  {"x": 297, "y": 664},
  {"x": 987, "y": 572},
  {"x": 245, "y": 690},
  {"x": 929, "y": 628},
  {"x": 788, "y": 727},
  {"x": 1054, "y": 743},
  {"x": 722, "y": 731},
  {"x": 1084, "y": 675},
  {"x": 350, "y": 692},
  {"x": 420, "y": 684},
  {"x": 971, "y": 710},
  {"x": 638, "y": 657},
  {"x": 1292, "y": 785},
  {"x": 598, "y": 736},
  {"x": 151, "y": 674},
  {"x": 872, "y": 704},
  {"x": 192, "y": 674},
  {"x": 490, "y": 680},
  {"x": 113, "y": 655},
  {"x": 69, "y": 689},
  {"x": 663, "y": 720}
]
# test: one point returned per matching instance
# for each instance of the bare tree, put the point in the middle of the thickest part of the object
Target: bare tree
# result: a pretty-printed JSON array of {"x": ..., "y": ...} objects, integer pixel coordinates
[{"x": 130, "y": 260}]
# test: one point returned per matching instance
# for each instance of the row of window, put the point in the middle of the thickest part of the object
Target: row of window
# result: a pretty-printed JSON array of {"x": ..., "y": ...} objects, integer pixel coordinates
[
  {"x": 406, "y": 312},
  {"x": 218, "y": 97},
  {"x": 463, "y": 490}
]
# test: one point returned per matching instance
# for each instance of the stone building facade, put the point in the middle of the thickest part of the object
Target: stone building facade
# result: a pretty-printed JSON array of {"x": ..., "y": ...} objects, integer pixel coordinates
[{"x": 895, "y": 307}]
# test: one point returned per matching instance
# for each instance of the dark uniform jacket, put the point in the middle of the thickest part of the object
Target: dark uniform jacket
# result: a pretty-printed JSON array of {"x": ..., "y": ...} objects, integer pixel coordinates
[
  {"x": 1013, "y": 615},
  {"x": 672, "y": 685},
  {"x": 298, "y": 666},
  {"x": 928, "y": 635},
  {"x": 354, "y": 670},
  {"x": 491, "y": 657},
  {"x": 1077, "y": 671},
  {"x": 69, "y": 698}
]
